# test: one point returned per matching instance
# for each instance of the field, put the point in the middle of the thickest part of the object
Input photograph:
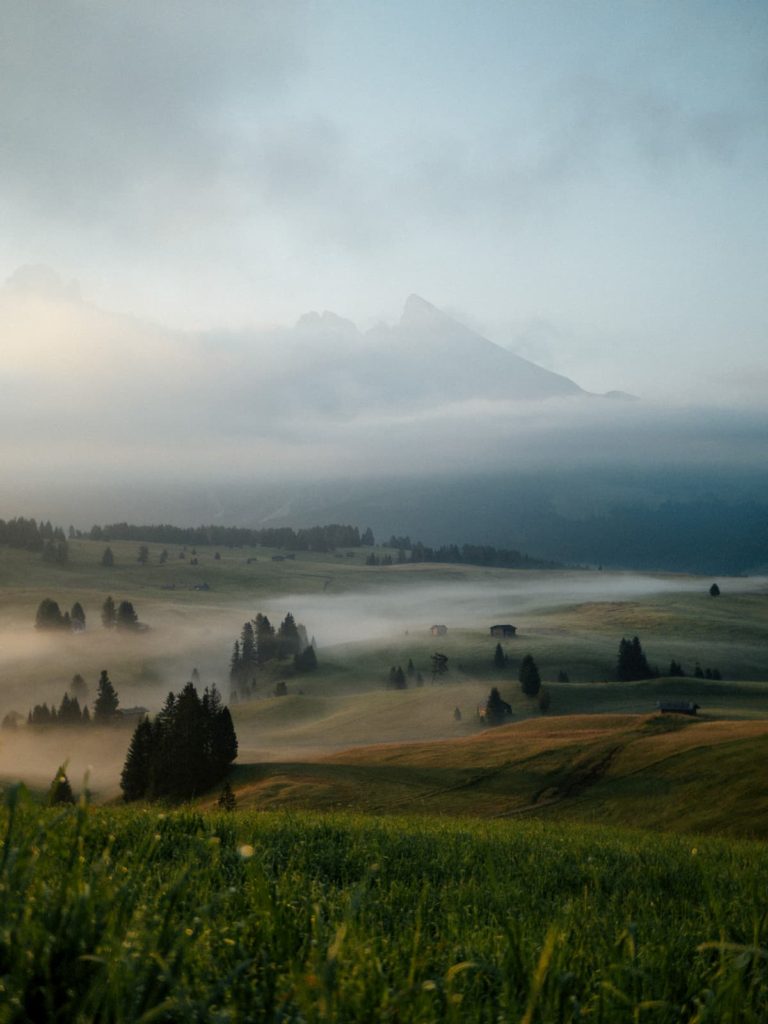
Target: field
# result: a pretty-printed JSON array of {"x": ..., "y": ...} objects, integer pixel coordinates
[
  {"x": 341, "y": 739},
  {"x": 389, "y": 861},
  {"x": 140, "y": 915}
]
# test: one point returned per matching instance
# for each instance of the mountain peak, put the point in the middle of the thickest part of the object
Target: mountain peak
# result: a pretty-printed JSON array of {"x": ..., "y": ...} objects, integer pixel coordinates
[{"x": 417, "y": 312}]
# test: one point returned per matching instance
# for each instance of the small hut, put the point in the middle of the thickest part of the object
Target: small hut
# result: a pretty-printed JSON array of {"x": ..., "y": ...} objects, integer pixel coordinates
[{"x": 503, "y": 630}]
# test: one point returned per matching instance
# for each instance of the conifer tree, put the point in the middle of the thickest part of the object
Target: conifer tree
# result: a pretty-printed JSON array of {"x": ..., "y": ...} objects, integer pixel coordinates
[
  {"x": 108, "y": 558},
  {"x": 227, "y": 800},
  {"x": 60, "y": 791},
  {"x": 77, "y": 615},
  {"x": 108, "y": 613},
  {"x": 288, "y": 637},
  {"x": 106, "y": 702},
  {"x": 499, "y": 659},
  {"x": 306, "y": 660},
  {"x": 530, "y": 680},
  {"x": 126, "y": 616},
  {"x": 135, "y": 776},
  {"x": 496, "y": 709}
]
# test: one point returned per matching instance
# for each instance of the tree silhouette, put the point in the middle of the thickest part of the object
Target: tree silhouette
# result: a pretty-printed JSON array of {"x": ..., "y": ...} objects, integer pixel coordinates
[
  {"x": 106, "y": 702},
  {"x": 530, "y": 680},
  {"x": 108, "y": 613},
  {"x": 60, "y": 791}
]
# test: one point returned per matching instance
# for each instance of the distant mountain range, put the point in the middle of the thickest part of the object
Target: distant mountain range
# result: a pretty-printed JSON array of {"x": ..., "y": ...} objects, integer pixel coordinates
[{"x": 422, "y": 427}]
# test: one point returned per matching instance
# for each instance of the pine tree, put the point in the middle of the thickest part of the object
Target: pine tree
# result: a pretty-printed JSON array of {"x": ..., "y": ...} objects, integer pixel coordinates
[
  {"x": 499, "y": 659},
  {"x": 106, "y": 702},
  {"x": 288, "y": 637},
  {"x": 266, "y": 645},
  {"x": 135, "y": 776},
  {"x": 496, "y": 709},
  {"x": 306, "y": 660},
  {"x": 108, "y": 613},
  {"x": 49, "y": 615},
  {"x": 143, "y": 556},
  {"x": 126, "y": 617},
  {"x": 77, "y": 615},
  {"x": 108, "y": 559},
  {"x": 249, "y": 661},
  {"x": 60, "y": 791},
  {"x": 227, "y": 800},
  {"x": 78, "y": 687},
  {"x": 530, "y": 680}
]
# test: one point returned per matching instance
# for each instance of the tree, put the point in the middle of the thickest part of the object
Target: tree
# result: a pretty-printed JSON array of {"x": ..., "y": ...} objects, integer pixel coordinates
[
  {"x": 126, "y": 617},
  {"x": 266, "y": 645},
  {"x": 714, "y": 590},
  {"x": 457, "y": 714},
  {"x": 77, "y": 615},
  {"x": 227, "y": 799},
  {"x": 135, "y": 776},
  {"x": 562, "y": 677},
  {"x": 49, "y": 615},
  {"x": 439, "y": 665},
  {"x": 108, "y": 559},
  {"x": 499, "y": 658},
  {"x": 367, "y": 539},
  {"x": 632, "y": 663},
  {"x": 496, "y": 709},
  {"x": 530, "y": 680},
  {"x": 108, "y": 613},
  {"x": 107, "y": 701},
  {"x": 60, "y": 791},
  {"x": 163, "y": 556},
  {"x": 306, "y": 660},
  {"x": 143, "y": 556},
  {"x": 288, "y": 637}
]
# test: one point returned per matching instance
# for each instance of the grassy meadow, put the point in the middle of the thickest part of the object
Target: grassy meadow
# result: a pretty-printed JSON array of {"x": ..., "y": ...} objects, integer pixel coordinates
[
  {"x": 365, "y": 620},
  {"x": 387, "y": 861},
  {"x": 147, "y": 915}
]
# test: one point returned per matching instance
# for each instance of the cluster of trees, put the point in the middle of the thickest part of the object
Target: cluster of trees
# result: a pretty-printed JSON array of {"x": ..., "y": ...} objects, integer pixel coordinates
[
  {"x": 400, "y": 680},
  {"x": 70, "y": 712},
  {"x": 466, "y": 554},
  {"x": 50, "y": 616},
  {"x": 676, "y": 669},
  {"x": 120, "y": 616},
  {"x": 28, "y": 534},
  {"x": 183, "y": 751},
  {"x": 313, "y": 538},
  {"x": 260, "y": 643},
  {"x": 321, "y": 538},
  {"x": 632, "y": 663}
]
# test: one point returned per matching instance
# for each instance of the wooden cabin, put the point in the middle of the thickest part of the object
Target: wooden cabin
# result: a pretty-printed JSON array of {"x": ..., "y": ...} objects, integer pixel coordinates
[
  {"x": 503, "y": 630},
  {"x": 677, "y": 707}
]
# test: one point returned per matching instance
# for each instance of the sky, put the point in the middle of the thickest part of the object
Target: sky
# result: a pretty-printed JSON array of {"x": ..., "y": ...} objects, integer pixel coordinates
[{"x": 583, "y": 182}]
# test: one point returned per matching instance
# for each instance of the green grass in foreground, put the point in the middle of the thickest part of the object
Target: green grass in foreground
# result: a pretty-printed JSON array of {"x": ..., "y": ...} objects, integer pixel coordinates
[{"x": 139, "y": 915}]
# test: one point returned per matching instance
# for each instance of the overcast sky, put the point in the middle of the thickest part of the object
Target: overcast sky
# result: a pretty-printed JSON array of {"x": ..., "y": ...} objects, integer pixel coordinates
[{"x": 584, "y": 182}]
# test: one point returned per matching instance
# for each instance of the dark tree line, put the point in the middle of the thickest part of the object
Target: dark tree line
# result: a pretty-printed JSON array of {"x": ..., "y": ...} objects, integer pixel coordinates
[
  {"x": 183, "y": 751},
  {"x": 28, "y": 534},
  {"x": 50, "y": 616},
  {"x": 313, "y": 538},
  {"x": 453, "y": 554},
  {"x": 70, "y": 711}
]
